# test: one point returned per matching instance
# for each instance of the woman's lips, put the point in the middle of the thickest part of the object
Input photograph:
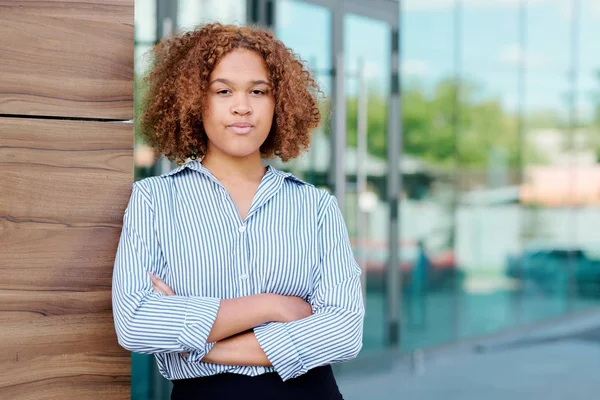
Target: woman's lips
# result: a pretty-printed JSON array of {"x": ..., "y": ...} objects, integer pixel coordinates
[{"x": 240, "y": 129}]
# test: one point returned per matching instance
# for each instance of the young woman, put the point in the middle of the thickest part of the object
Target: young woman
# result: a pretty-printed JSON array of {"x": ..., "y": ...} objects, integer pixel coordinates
[{"x": 239, "y": 278}]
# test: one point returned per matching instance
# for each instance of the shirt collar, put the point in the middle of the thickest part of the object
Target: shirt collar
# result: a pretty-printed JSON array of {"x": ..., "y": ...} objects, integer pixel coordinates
[{"x": 197, "y": 166}]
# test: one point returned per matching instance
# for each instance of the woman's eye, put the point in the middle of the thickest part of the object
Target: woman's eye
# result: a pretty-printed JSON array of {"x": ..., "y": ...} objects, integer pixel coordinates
[
  {"x": 258, "y": 92},
  {"x": 224, "y": 91}
]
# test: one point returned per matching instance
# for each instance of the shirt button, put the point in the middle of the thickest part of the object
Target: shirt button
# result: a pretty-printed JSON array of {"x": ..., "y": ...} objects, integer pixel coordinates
[
  {"x": 242, "y": 229},
  {"x": 261, "y": 370},
  {"x": 244, "y": 276}
]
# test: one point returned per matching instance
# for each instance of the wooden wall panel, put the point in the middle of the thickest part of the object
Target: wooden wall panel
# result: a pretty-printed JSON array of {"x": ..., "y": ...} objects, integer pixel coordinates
[
  {"x": 55, "y": 347},
  {"x": 64, "y": 158},
  {"x": 64, "y": 187},
  {"x": 70, "y": 58}
]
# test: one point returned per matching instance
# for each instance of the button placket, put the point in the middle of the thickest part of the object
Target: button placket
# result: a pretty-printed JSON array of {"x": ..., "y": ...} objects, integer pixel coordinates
[{"x": 243, "y": 276}]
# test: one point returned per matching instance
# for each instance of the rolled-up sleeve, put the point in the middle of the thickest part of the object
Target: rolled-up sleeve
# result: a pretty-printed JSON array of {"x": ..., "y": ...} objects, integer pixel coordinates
[
  {"x": 334, "y": 332},
  {"x": 148, "y": 322}
]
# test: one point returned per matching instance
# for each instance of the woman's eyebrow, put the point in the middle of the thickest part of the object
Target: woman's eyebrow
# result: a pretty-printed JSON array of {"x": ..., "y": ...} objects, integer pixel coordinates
[{"x": 230, "y": 83}]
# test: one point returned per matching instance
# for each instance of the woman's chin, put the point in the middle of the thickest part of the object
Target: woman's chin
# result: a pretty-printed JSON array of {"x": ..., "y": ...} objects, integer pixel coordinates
[{"x": 241, "y": 152}]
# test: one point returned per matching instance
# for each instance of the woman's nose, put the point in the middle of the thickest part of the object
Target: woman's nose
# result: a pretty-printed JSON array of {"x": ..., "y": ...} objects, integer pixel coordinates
[{"x": 241, "y": 106}]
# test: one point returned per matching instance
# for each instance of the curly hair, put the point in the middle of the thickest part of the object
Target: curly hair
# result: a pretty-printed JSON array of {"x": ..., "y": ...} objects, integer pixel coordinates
[{"x": 178, "y": 82}]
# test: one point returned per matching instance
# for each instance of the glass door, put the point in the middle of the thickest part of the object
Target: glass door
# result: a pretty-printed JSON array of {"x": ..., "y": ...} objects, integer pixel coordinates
[{"x": 366, "y": 88}]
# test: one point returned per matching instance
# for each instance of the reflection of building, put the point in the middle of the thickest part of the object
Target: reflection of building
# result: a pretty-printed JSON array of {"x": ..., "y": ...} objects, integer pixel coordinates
[
  {"x": 569, "y": 175},
  {"x": 562, "y": 186},
  {"x": 561, "y": 148}
]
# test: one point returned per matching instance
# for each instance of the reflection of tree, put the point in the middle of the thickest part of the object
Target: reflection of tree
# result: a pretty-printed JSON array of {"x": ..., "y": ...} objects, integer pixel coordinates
[
  {"x": 376, "y": 124},
  {"x": 428, "y": 129}
]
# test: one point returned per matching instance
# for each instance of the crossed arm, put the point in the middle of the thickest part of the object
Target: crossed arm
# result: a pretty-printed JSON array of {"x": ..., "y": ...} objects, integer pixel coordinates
[{"x": 236, "y": 343}]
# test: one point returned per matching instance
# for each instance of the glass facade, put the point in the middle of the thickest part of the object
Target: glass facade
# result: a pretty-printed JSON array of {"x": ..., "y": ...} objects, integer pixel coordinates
[
  {"x": 500, "y": 128},
  {"x": 499, "y": 103}
]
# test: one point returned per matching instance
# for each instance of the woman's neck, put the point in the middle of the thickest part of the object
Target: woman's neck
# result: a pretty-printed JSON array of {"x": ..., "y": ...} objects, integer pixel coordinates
[{"x": 232, "y": 169}]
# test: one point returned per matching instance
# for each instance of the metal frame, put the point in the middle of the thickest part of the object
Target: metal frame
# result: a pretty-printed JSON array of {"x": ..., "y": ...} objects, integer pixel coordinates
[
  {"x": 337, "y": 177},
  {"x": 394, "y": 181},
  {"x": 261, "y": 12},
  {"x": 166, "y": 17},
  {"x": 575, "y": 62}
]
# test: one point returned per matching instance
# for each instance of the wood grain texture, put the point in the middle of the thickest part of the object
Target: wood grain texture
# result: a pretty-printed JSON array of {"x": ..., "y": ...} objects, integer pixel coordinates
[
  {"x": 20, "y": 305},
  {"x": 53, "y": 257},
  {"x": 63, "y": 350},
  {"x": 65, "y": 172},
  {"x": 67, "y": 58},
  {"x": 84, "y": 387},
  {"x": 65, "y": 186}
]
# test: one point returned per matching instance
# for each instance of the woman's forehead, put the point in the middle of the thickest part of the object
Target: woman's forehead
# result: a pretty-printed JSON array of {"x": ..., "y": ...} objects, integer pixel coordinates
[{"x": 241, "y": 65}]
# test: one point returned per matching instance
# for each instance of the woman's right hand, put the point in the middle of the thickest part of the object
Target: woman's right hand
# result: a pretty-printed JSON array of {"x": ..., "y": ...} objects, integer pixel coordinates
[{"x": 291, "y": 308}]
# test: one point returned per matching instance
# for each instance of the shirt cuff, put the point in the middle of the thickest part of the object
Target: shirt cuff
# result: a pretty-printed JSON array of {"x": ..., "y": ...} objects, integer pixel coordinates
[
  {"x": 200, "y": 316},
  {"x": 197, "y": 356},
  {"x": 280, "y": 349}
]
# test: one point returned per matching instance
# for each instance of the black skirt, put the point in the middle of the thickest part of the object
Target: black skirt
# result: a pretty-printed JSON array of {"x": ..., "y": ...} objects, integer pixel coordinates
[{"x": 317, "y": 384}]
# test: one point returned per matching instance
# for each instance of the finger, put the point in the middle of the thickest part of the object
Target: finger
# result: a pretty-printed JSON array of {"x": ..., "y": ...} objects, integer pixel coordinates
[
  {"x": 163, "y": 287},
  {"x": 154, "y": 278},
  {"x": 158, "y": 290}
]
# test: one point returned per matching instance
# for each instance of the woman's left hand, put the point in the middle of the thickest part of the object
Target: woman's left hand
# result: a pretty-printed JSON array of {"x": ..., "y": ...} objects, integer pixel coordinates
[{"x": 160, "y": 286}]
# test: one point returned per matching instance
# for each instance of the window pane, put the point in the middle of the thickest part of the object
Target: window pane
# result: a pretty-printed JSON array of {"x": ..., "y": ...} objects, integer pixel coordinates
[
  {"x": 191, "y": 13},
  {"x": 145, "y": 20},
  {"x": 545, "y": 223},
  {"x": 368, "y": 221},
  {"x": 427, "y": 250}
]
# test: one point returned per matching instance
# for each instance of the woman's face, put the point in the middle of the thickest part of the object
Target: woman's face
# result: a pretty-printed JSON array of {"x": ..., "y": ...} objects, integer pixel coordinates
[{"x": 240, "y": 105}]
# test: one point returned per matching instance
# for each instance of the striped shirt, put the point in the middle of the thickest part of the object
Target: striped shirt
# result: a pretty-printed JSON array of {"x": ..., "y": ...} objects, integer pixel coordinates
[{"x": 184, "y": 227}]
